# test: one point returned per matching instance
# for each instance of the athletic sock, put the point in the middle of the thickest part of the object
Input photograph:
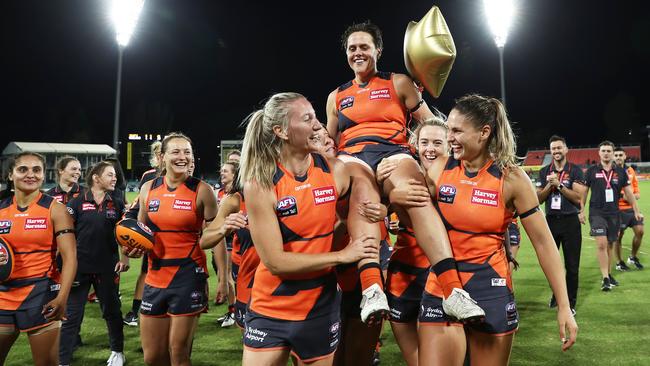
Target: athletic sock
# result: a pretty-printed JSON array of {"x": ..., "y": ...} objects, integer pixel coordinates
[
  {"x": 135, "y": 308},
  {"x": 447, "y": 275},
  {"x": 369, "y": 274},
  {"x": 231, "y": 308}
]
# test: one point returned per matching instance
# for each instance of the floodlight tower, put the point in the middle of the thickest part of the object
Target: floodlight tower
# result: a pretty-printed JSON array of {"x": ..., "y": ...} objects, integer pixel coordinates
[
  {"x": 499, "y": 15},
  {"x": 124, "y": 14}
]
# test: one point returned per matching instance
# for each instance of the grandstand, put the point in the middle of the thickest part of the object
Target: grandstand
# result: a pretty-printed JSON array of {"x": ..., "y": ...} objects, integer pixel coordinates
[{"x": 582, "y": 156}]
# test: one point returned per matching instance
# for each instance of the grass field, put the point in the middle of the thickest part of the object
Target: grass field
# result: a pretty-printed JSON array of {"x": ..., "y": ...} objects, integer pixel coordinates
[{"x": 614, "y": 327}]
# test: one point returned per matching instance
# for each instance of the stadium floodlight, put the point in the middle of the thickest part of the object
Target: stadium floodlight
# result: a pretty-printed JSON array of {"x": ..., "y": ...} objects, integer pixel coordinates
[
  {"x": 125, "y": 14},
  {"x": 499, "y": 14}
]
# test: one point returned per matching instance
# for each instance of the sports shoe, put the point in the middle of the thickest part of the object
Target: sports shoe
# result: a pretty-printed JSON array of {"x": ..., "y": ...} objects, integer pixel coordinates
[
  {"x": 116, "y": 359},
  {"x": 374, "y": 305},
  {"x": 223, "y": 317},
  {"x": 461, "y": 306},
  {"x": 621, "y": 266},
  {"x": 375, "y": 359},
  {"x": 635, "y": 261},
  {"x": 131, "y": 319},
  {"x": 606, "y": 286},
  {"x": 612, "y": 281},
  {"x": 228, "y": 321}
]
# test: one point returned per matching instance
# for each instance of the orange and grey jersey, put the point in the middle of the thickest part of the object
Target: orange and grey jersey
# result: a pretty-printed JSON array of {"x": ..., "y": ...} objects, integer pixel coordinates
[
  {"x": 407, "y": 251},
  {"x": 473, "y": 210},
  {"x": 241, "y": 238},
  {"x": 245, "y": 256},
  {"x": 370, "y": 114},
  {"x": 30, "y": 232},
  {"x": 306, "y": 213},
  {"x": 62, "y": 196},
  {"x": 631, "y": 177},
  {"x": 175, "y": 219}
]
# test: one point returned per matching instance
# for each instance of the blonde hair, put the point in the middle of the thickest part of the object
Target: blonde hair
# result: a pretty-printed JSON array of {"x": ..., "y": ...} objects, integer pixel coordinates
[
  {"x": 438, "y": 120},
  {"x": 154, "y": 149},
  {"x": 261, "y": 147},
  {"x": 483, "y": 111}
]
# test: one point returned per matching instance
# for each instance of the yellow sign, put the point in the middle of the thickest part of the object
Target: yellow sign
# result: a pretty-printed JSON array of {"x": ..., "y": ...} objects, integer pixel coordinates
[{"x": 129, "y": 155}]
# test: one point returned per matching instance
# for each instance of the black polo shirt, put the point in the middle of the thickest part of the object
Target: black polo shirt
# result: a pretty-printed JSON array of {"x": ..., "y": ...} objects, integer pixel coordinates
[
  {"x": 97, "y": 250},
  {"x": 569, "y": 174},
  {"x": 596, "y": 178},
  {"x": 62, "y": 196}
]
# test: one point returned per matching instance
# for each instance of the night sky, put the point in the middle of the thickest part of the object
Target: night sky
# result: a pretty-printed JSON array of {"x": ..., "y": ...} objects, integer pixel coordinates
[{"x": 575, "y": 68}]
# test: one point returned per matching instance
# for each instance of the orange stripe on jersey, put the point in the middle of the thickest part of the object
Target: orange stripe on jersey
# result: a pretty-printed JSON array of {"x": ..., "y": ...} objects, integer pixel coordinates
[
  {"x": 173, "y": 216},
  {"x": 472, "y": 208},
  {"x": 240, "y": 237},
  {"x": 244, "y": 255},
  {"x": 30, "y": 232},
  {"x": 407, "y": 250},
  {"x": 306, "y": 213},
  {"x": 634, "y": 181},
  {"x": 371, "y": 114}
]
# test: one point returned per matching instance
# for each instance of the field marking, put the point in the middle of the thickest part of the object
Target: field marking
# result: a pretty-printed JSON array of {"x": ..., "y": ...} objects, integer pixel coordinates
[{"x": 622, "y": 246}]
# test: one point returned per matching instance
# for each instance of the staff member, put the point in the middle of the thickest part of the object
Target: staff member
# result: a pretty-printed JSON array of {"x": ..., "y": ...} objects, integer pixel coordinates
[
  {"x": 560, "y": 186},
  {"x": 68, "y": 171},
  {"x": 95, "y": 214},
  {"x": 606, "y": 181},
  {"x": 175, "y": 206},
  {"x": 627, "y": 216},
  {"x": 33, "y": 298}
]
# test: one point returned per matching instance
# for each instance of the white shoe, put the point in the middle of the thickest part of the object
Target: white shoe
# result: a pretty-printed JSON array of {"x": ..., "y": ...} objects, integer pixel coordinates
[
  {"x": 228, "y": 321},
  {"x": 461, "y": 306},
  {"x": 374, "y": 304},
  {"x": 116, "y": 359}
]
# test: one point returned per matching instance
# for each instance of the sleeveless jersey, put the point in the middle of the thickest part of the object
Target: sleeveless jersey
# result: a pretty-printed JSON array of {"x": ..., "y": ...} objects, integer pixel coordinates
[
  {"x": 631, "y": 177},
  {"x": 243, "y": 251},
  {"x": 30, "y": 232},
  {"x": 472, "y": 208},
  {"x": 372, "y": 114},
  {"x": 306, "y": 214},
  {"x": 172, "y": 214},
  {"x": 407, "y": 250}
]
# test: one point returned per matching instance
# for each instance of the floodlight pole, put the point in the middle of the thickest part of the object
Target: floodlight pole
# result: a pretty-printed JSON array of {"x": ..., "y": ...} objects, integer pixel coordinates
[
  {"x": 503, "y": 78},
  {"x": 116, "y": 122}
]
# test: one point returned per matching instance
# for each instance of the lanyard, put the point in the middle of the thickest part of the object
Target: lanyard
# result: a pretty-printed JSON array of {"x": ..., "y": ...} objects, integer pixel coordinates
[{"x": 608, "y": 178}]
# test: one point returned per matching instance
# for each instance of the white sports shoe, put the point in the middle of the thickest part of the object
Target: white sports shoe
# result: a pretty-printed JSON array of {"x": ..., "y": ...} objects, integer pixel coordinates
[
  {"x": 228, "y": 321},
  {"x": 462, "y": 307},
  {"x": 116, "y": 359},
  {"x": 374, "y": 304}
]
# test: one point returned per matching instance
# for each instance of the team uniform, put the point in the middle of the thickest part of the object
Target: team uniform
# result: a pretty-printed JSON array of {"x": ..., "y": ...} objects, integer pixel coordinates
[
  {"x": 371, "y": 120},
  {"x": 35, "y": 278},
  {"x": 514, "y": 234},
  {"x": 221, "y": 193},
  {"x": 62, "y": 196},
  {"x": 472, "y": 208},
  {"x": 97, "y": 254},
  {"x": 244, "y": 264},
  {"x": 562, "y": 219},
  {"x": 626, "y": 211},
  {"x": 407, "y": 276},
  {"x": 299, "y": 312},
  {"x": 606, "y": 187},
  {"x": 176, "y": 281}
]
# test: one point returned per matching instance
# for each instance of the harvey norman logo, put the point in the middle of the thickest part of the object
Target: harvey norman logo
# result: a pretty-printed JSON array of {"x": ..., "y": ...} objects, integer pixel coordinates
[
  {"x": 324, "y": 195},
  {"x": 380, "y": 94},
  {"x": 185, "y": 205},
  {"x": 38, "y": 223},
  {"x": 485, "y": 197}
]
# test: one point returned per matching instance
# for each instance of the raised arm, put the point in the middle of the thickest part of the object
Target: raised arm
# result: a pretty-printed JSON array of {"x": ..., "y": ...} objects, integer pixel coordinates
[{"x": 221, "y": 227}]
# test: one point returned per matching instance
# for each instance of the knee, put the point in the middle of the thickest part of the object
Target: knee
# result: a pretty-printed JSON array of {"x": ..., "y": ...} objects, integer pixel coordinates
[
  {"x": 155, "y": 358},
  {"x": 179, "y": 352}
]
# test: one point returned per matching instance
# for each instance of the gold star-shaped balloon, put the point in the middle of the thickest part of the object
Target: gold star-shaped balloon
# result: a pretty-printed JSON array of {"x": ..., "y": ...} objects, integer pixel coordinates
[{"x": 429, "y": 51}]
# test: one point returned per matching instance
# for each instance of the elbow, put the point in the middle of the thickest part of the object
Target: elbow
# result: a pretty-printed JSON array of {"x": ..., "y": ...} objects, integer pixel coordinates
[{"x": 275, "y": 267}]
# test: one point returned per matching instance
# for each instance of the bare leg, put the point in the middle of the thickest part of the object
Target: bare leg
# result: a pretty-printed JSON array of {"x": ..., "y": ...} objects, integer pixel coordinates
[
  {"x": 636, "y": 242},
  {"x": 406, "y": 335},
  {"x": 602, "y": 253},
  {"x": 6, "y": 341},
  {"x": 181, "y": 335},
  {"x": 486, "y": 349},
  {"x": 45, "y": 347},
  {"x": 155, "y": 340},
  {"x": 266, "y": 358},
  {"x": 358, "y": 343},
  {"x": 441, "y": 345}
]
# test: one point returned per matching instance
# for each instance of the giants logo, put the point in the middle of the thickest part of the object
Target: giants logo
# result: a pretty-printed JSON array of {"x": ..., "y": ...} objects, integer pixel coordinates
[
  {"x": 287, "y": 206},
  {"x": 5, "y": 226},
  {"x": 39, "y": 223},
  {"x": 485, "y": 197},
  {"x": 183, "y": 205},
  {"x": 380, "y": 94},
  {"x": 446, "y": 193},
  {"x": 347, "y": 102},
  {"x": 323, "y": 195},
  {"x": 154, "y": 205},
  {"x": 59, "y": 197},
  {"x": 145, "y": 228}
]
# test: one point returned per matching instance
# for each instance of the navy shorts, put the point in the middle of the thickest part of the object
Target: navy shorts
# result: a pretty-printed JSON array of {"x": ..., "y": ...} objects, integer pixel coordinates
[
  {"x": 384, "y": 254},
  {"x": 240, "y": 314},
  {"x": 404, "y": 288},
  {"x": 184, "y": 300},
  {"x": 373, "y": 154},
  {"x": 514, "y": 235},
  {"x": 309, "y": 340},
  {"x": 28, "y": 316},
  {"x": 628, "y": 219},
  {"x": 605, "y": 225}
]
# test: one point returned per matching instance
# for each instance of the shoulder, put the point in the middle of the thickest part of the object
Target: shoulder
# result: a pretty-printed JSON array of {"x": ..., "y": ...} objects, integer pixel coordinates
[
  {"x": 403, "y": 82},
  {"x": 516, "y": 175},
  {"x": 257, "y": 194}
]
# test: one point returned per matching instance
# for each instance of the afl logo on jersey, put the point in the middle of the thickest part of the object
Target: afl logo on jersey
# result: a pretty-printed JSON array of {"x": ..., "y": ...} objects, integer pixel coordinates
[
  {"x": 347, "y": 102},
  {"x": 287, "y": 206},
  {"x": 154, "y": 205},
  {"x": 446, "y": 193},
  {"x": 5, "y": 226}
]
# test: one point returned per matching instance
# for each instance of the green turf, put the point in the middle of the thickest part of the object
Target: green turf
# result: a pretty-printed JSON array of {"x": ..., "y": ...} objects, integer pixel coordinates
[{"x": 614, "y": 326}]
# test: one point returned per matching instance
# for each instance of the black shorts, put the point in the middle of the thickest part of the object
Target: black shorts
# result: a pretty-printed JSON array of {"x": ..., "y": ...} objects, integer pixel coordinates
[
  {"x": 309, "y": 340},
  {"x": 373, "y": 154},
  {"x": 628, "y": 219},
  {"x": 240, "y": 314},
  {"x": 184, "y": 300},
  {"x": 605, "y": 225},
  {"x": 404, "y": 288},
  {"x": 29, "y": 315},
  {"x": 384, "y": 254},
  {"x": 514, "y": 235}
]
